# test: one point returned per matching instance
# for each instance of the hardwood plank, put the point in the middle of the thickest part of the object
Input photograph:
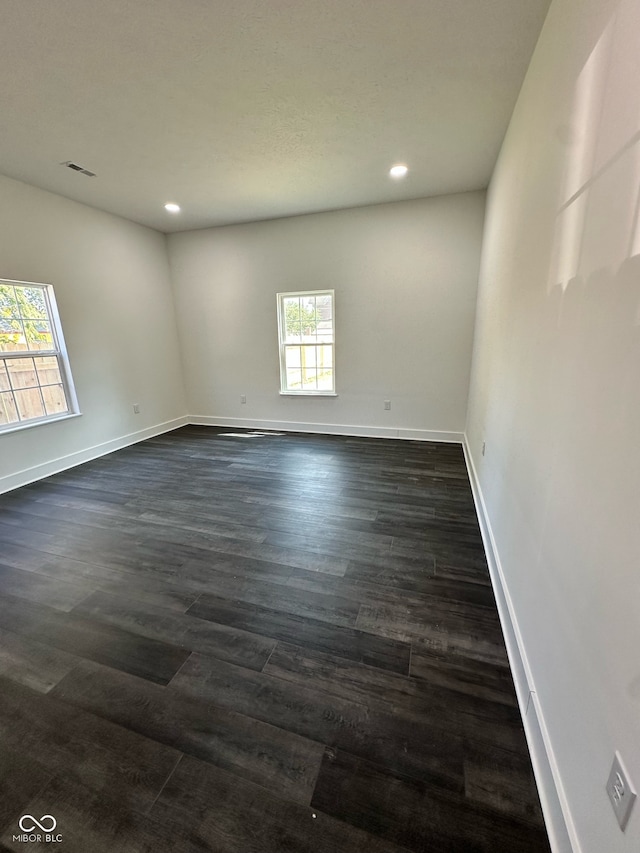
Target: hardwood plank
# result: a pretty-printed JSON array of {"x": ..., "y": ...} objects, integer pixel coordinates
[
  {"x": 408, "y": 812},
  {"x": 32, "y": 664},
  {"x": 464, "y": 674},
  {"x": 405, "y": 573},
  {"x": 323, "y": 545},
  {"x": 467, "y": 713},
  {"x": 458, "y": 644},
  {"x": 242, "y": 817},
  {"x": 113, "y": 550},
  {"x": 104, "y": 822},
  {"x": 197, "y": 571},
  {"x": 324, "y": 603},
  {"x": 86, "y": 638},
  {"x": 294, "y": 557},
  {"x": 282, "y": 762},
  {"x": 410, "y": 623},
  {"x": 335, "y": 507},
  {"x": 349, "y": 680},
  {"x": 322, "y": 525},
  {"x": 502, "y": 780},
  {"x": 422, "y": 697},
  {"x": 451, "y": 569},
  {"x": 21, "y": 778},
  {"x": 416, "y": 746},
  {"x": 169, "y": 593},
  {"x": 310, "y": 633},
  {"x": 432, "y": 590},
  {"x": 185, "y": 631},
  {"x": 39, "y": 588},
  {"x": 167, "y": 527},
  {"x": 85, "y": 748}
]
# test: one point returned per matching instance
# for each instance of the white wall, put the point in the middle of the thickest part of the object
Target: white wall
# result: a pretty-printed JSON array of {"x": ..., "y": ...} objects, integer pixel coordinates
[
  {"x": 555, "y": 395},
  {"x": 111, "y": 280},
  {"x": 405, "y": 277}
]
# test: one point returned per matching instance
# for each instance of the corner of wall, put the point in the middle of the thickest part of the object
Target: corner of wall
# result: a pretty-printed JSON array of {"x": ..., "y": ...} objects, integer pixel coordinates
[{"x": 62, "y": 463}]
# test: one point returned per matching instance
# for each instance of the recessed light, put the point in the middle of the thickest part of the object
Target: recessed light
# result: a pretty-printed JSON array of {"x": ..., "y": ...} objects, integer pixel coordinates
[
  {"x": 398, "y": 171},
  {"x": 172, "y": 208}
]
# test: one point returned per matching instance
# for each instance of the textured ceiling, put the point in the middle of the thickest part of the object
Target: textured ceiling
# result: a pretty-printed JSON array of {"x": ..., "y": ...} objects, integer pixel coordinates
[{"x": 253, "y": 109}]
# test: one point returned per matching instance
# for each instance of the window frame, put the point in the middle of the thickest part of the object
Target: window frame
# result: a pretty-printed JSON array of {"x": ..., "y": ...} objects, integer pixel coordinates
[
  {"x": 282, "y": 344},
  {"x": 59, "y": 351}
]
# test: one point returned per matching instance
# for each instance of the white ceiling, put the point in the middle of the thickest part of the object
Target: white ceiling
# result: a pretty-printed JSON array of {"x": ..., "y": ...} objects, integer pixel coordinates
[{"x": 240, "y": 110}]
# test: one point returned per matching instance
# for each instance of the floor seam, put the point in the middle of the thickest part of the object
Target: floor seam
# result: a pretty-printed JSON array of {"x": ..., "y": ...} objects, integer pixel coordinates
[
  {"x": 164, "y": 784},
  {"x": 275, "y": 646},
  {"x": 179, "y": 669}
]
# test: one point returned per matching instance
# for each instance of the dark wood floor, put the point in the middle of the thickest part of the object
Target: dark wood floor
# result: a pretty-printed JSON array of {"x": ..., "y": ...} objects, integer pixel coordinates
[{"x": 258, "y": 644}]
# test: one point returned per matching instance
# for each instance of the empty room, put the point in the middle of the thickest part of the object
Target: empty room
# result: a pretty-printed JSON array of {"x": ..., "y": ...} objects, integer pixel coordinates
[{"x": 319, "y": 477}]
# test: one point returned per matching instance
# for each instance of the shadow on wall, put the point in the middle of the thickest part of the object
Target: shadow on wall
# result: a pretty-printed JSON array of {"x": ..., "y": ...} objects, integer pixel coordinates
[
  {"x": 598, "y": 320},
  {"x": 597, "y": 223},
  {"x": 594, "y": 280}
]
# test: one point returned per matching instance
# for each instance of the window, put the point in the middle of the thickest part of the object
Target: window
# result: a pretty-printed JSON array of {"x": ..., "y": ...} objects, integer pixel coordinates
[
  {"x": 35, "y": 380},
  {"x": 306, "y": 326}
]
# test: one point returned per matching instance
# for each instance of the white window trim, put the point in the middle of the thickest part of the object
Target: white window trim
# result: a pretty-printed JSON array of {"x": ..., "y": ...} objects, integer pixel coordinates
[
  {"x": 34, "y": 422},
  {"x": 286, "y": 392},
  {"x": 308, "y": 393},
  {"x": 60, "y": 353}
]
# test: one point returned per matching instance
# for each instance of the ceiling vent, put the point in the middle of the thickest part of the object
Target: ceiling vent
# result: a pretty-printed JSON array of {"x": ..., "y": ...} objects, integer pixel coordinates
[{"x": 77, "y": 168}]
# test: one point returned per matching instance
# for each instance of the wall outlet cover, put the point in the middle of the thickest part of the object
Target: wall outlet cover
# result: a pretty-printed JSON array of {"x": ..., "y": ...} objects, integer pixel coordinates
[{"x": 621, "y": 791}]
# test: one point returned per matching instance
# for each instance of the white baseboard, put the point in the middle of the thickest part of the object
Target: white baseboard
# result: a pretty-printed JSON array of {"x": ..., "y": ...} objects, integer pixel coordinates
[
  {"x": 54, "y": 466},
  {"x": 329, "y": 429},
  {"x": 46, "y": 469},
  {"x": 562, "y": 834}
]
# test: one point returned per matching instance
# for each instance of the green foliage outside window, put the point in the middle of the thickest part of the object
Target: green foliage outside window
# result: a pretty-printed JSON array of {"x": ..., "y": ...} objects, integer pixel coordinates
[
  {"x": 300, "y": 316},
  {"x": 23, "y": 316}
]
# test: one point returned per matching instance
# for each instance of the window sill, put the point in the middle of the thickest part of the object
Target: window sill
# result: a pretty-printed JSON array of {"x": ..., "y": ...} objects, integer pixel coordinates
[
  {"x": 40, "y": 422},
  {"x": 308, "y": 394}
]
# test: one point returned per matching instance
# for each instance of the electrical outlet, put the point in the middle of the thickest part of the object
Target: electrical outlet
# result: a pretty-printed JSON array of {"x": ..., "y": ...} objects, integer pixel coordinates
[
  {"x": 620, "y": 791},
  {"x": 484, "y": 445},
  {"x": 243, "y": 398},
  {"x": 387, "y": 405},
  {"x": 136, "y": 408}
]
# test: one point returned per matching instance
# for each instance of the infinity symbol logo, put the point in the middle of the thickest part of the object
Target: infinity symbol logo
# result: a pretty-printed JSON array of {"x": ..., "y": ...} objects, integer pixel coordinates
[{"x": 39, "y": 823}]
